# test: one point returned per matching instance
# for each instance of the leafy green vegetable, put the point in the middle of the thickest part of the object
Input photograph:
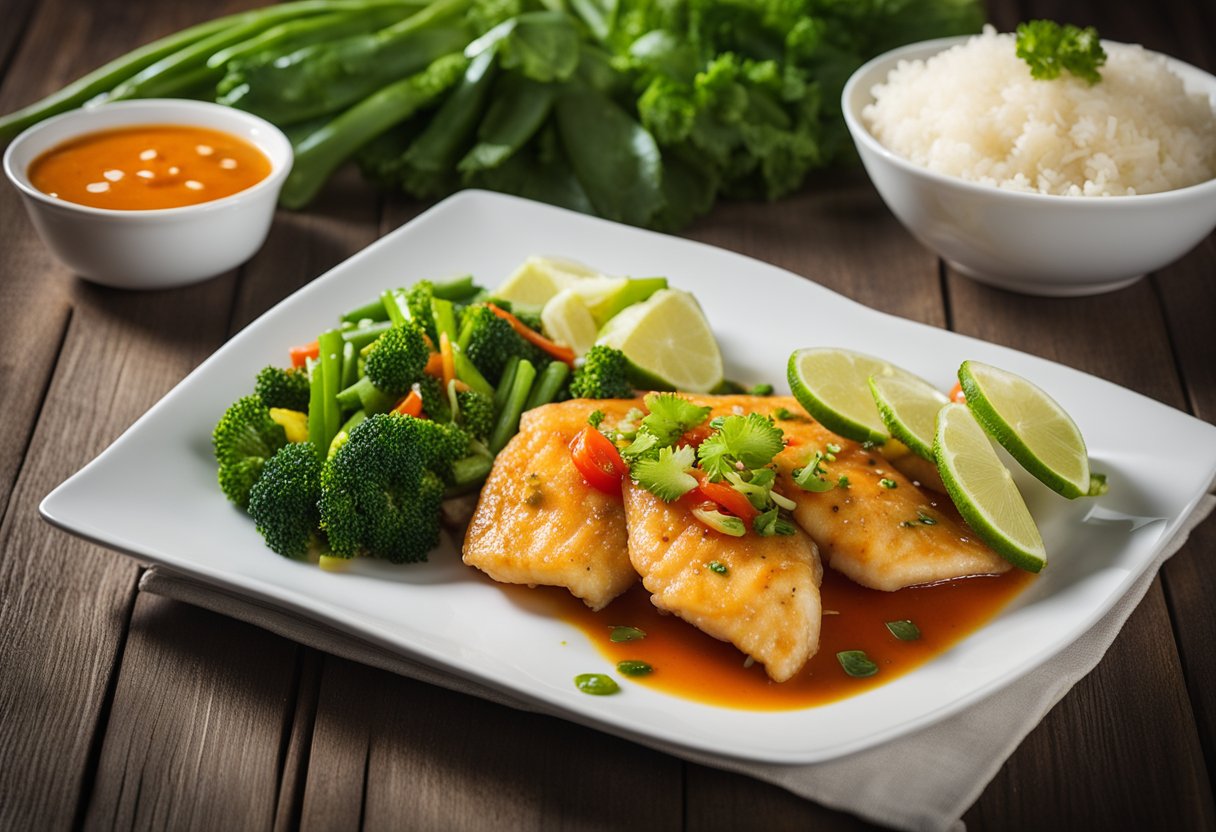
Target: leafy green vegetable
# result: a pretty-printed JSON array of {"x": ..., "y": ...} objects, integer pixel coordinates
[
  {"x": 666, "y": 475},
  {"x": 671, "y": 416},
  {"x": 749, "y": 442},
  {"x": 1050, "y": 48},
  {"x": 644, "y": 111}
]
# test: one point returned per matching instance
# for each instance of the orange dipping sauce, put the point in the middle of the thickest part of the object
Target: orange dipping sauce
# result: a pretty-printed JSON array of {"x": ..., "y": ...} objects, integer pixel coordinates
[
  {"x": 692, "y": 665},
  {"x": 149, "y": 167}
]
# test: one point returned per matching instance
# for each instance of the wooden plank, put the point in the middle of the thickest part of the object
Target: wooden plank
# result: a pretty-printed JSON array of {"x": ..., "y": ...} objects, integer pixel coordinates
[
  {"x": 1118, "y": 752},
  {"x": 66, "y": 603},
  {"x": 718, "y": 800},
  {"x": 197, "y": 727},
  {"x": 387, "y": 748},
  {"x": 1188, "y": 295},
  {"x": 838, "y": 233},
  {"x": 251, "y": 719},
  {"x": 1161, "y": 752}
]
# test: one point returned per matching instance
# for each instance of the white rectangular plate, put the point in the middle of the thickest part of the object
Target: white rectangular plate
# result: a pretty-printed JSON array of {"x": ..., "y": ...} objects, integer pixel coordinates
[{"x": 153, "y": 493}]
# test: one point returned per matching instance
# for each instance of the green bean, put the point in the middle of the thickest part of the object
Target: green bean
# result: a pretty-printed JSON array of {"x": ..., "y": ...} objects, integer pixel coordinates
[
  {"x": 321, "y": 153},
  {"x": 110, "y": 75}
]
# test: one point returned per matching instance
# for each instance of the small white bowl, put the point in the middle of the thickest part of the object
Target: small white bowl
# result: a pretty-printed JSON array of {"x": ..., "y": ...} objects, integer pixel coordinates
[
  {"x": 1039, "y": 244},
  {"x": 160, "y": 248}
]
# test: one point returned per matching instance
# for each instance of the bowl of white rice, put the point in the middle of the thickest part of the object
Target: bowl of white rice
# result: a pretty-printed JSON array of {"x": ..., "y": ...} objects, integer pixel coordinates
[{"x": 1053, "y": 187}]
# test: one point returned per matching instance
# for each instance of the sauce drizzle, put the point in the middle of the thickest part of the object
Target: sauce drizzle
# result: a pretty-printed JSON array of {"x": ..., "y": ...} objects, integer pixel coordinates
[{"x": 689, "y": 664}]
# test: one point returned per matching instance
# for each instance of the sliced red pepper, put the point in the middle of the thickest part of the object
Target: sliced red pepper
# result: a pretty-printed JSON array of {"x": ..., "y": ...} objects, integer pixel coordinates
[
  {"x": 598, "y": 460},
  {"x": 301, "y": 354},
  {"x": 957, "y": 394},
  {"x": 726, "y": 497},
  {"x": 559, "y": 351}
]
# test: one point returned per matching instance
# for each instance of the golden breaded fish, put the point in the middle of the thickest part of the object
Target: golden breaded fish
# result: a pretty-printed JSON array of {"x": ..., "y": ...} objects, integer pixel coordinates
[
  {"x": 538, "y": 522},
  {"x": 882, "y": 531},
  {"x": 765, "y": 601}
]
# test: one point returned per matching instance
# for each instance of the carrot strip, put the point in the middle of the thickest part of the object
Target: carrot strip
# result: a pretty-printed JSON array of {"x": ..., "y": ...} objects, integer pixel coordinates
[
  {"x": 301, "y": 354},
  {"x": 434, "y": 365},
  {"x": 559, "y": 351},
  {"x": 411, "y": 405},
  {"x": 449, "y": 360}
]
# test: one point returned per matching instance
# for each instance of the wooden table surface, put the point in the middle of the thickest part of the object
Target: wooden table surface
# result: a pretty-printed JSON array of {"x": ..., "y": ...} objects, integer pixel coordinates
[{"x": 121, "y": 709}]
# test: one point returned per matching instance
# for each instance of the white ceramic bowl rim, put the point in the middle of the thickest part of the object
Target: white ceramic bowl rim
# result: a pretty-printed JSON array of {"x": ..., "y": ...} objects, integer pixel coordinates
[
  {"x": 927, "y": 49},
  {"x": 156, "y": 110}
]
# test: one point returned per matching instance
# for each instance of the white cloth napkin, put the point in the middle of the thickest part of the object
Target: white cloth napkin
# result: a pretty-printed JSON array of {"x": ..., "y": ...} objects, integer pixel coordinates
[{"x": 923, "y": 781}]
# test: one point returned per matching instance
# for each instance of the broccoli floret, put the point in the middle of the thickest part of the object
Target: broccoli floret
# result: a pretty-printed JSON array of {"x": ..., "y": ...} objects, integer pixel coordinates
[
  {"x": 244, "y": 439},
  {"x": 604, "y": 375},
  {"x": 434, "y": 399},
  {"x": 283, "y": 388},
  {"x": 283, "y": 502},
  {"x": 396, "y": 359},
  {"x": 418, "y": 301},
  {"x": 490, "y": 342},
  {"x": 381, "y": 492},
  {"x": 476, "y": 414}
]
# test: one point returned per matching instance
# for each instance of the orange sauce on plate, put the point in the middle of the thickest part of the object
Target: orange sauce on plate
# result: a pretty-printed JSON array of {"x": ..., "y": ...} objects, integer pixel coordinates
[
  {"x": 148, "y": 167},
  {"x": 692, "y": 665}
]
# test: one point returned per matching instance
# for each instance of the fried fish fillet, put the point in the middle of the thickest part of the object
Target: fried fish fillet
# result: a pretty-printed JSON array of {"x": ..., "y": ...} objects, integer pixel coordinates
[
  {"x": 538, "y": 522},
  {"x": 881, "y": 531},
  {"x": 762, "y": 596}
]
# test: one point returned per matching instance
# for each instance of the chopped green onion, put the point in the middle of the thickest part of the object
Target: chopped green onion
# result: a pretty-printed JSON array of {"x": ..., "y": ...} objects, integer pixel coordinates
[
  {"x": 856, "y": 663},
  {"x": 718, "y": 567},
  {"x": 888, "y": 483},
  {"x": 634, "y": 668},
  {"x": 719, "y": 522},
  {"x": 622, "y": 634},
  {"x": 904, "y": 630},
  {"x": 925, "y": 519},
  {"x": 596, "y": 684},
  {"x": 1097, "y": 484},
  {"x": 843, "y": 482}
]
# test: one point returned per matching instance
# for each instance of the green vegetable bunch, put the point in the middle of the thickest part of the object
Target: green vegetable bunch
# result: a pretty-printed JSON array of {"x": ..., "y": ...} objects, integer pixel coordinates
[
  {"x": 354, "y": 452},
  {"x": 636, "y": 110}
]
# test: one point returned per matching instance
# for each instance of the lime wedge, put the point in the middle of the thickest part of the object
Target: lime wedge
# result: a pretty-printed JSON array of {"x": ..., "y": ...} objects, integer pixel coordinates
[
  {"x": 1030, "y": 425},
  {"x": 625, "y": 293},
  {"x": 568, "y": 321},
  {"x": 832, "y": 384},
  {"x": 668, "y": 343},
  {"x": 538, "y": 279},
  {"x": 908, "y": 407},
  {"x": 983, "y": 489}
]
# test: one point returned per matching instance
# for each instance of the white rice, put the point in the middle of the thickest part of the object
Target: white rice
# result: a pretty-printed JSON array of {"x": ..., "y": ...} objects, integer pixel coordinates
[{"x": 974, "y": 112}]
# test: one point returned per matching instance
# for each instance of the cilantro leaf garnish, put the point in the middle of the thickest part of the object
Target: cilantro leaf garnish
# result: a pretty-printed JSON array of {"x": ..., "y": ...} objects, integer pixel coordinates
[
  {"x": 811, "y": 477},
  {"x": 752, "y": 440},
  {"x": 666, "y": 474},
  {"x": 771, "y": 523},
  {"x": 1050, "y": 48},
  {"x": 670, "y": 416}
]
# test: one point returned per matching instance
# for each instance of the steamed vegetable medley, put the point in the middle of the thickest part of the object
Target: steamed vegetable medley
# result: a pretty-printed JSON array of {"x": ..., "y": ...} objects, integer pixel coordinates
[
  {"x": 353, "y": 448},
  {"x": 636, "y": 110}
]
